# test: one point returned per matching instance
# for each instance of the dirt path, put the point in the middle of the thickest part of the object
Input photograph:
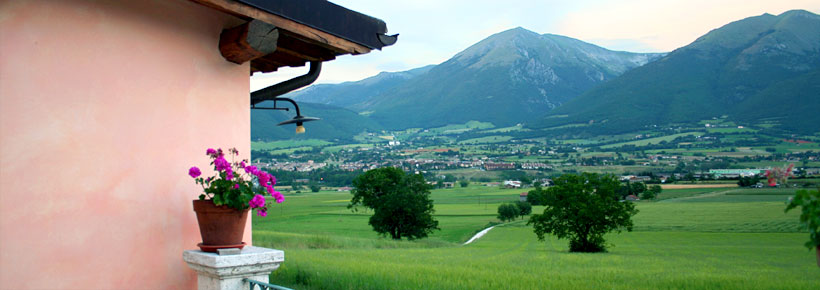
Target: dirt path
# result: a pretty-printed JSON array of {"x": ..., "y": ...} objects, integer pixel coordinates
[{"x": 479, "y": 235}]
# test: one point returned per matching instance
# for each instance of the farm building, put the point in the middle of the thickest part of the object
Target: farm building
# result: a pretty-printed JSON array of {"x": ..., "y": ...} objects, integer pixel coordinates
[
  {"x": 512, "y": 184},
  {"x": 104, "y": 105}
]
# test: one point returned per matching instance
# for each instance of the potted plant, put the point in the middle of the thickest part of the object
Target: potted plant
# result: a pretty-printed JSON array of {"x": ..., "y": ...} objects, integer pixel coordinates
[
  {"x": 809, "y": 201},
  {"x": 222, "y": 207}
]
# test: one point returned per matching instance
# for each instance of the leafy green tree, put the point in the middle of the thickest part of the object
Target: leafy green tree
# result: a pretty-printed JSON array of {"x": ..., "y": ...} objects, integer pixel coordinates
[
  {"x": 536, "y": 196},
  {"x": 748, "y": 181},
  {"x": 809, "y": 201},
  {"x": 315, "y": 187},
  {"x": 582, "y": 208},
  {"x": 524, "y": 208},
  {"x": 637, "y": 188},
  {"x": 440, "y": 184},
  {"x": 525, "y": 180},
  {"x": 464, "y": 183},
  {"x": 651, "y": 192},
  {"x": 401, "y": 202},
  {"x": 508, "y": 212},
  {"x": 689, "y": 177}
]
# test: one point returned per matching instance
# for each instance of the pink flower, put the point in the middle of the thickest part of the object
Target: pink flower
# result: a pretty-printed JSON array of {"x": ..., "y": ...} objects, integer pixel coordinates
[
  {"x": 242, "y": 164},
  {"x": 257, "y": 201},
  {"x": 236, "y": 186},
  {"x": 194, "y": 172},
  {"x": 221, "y": 164},
  {"x": 262, "y": 213},
  {"x": 263, "y": 178},
  {"x": 229, "y": 175},
  {"x": 210, "y": 151},
  {"x": 278, "y": 196}
]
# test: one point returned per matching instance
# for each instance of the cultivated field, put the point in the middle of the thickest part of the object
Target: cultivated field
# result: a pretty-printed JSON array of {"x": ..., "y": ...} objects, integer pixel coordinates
[{"x": 696, "y": 238}]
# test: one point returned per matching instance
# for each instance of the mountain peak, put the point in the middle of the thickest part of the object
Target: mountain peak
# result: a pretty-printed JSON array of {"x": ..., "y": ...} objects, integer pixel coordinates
[
  {"x": 798, "y": 13},
  {"x": 750, "y": 69}
]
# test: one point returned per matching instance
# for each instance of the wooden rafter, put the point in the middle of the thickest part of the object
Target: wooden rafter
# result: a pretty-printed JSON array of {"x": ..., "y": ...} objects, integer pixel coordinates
[{"x": 337, "y": 44}]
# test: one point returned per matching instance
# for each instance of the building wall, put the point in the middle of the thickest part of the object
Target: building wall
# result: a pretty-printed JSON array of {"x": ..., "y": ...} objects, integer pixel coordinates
[{"x": 104, "y": 105}]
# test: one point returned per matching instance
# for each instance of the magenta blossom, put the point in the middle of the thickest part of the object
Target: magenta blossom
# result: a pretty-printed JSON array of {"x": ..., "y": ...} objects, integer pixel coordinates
[
  {"x": 257, "y": 201},
  {"x": 263, "y": 178},
  {"x": 221, "y": 164},
  {"x": 238, "y": 186},
  {"x": 194, "y": 172},
  {"x": 278, "y": 196}
]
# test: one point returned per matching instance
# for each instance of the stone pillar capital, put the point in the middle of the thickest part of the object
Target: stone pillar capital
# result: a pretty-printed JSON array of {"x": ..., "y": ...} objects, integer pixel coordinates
[{"x": 224, "y": 272}]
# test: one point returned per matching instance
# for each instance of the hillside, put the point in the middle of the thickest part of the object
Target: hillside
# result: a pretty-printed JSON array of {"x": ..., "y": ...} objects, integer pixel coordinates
[
  {"x": 353, "y": 95},
  {"x": 337, "y": 123},
  {"x": 762, "y": 67},
  {"x": 502, "y": 79}
]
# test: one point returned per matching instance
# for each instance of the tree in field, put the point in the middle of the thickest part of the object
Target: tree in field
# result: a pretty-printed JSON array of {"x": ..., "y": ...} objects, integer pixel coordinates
[
  {"x": 651, "y": 192},
  {"x": 582, "y": 208},
  {"x": 748, "y": 181},
  {"x": 637, "y": 188},
  {"x": 315, "y": 188},
  {"x": 508, "y": 212},
  {"x": 464, "y": 183},
  {"x": 401, "y": 202},
  {"x": 536, "y": 196},
  {"x": 524, "y": 208}
]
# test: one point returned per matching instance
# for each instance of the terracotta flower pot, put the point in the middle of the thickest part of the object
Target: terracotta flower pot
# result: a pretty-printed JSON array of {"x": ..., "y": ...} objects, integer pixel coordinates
[{"x": 221, "y": 227}]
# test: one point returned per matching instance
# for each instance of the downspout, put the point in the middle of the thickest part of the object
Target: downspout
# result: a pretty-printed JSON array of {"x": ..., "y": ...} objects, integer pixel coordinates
[{"x": 270, "y": 93}]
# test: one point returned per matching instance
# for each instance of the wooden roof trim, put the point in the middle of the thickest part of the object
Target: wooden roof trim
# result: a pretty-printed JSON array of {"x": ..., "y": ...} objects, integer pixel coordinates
[{"x": 338, "y": 44}]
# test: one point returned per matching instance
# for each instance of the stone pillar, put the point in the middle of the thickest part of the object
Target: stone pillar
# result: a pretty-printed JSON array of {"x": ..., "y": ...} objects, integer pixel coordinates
[{"x": 225, "y": 272}]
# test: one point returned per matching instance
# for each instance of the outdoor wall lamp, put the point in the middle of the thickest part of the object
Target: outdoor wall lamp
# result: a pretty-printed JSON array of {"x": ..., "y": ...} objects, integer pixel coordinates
[
  {"x": 298, "y": 120},
  {"x": 273, "y": 92}
]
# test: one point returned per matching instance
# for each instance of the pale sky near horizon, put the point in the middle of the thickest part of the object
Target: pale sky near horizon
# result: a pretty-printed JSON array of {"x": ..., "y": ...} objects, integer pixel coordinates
[{"x": 432, "y": 31}]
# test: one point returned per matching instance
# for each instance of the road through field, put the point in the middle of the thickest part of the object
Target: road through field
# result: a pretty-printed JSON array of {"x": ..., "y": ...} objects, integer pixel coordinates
[{"x": 479, "y": 235}]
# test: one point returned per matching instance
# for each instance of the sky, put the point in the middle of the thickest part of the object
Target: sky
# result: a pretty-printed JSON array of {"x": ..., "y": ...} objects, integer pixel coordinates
[{"x": 432, "y": 31}]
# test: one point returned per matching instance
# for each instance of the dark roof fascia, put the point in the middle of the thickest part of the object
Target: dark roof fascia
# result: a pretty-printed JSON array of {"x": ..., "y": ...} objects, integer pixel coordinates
[{"x": 328, "y": 17}]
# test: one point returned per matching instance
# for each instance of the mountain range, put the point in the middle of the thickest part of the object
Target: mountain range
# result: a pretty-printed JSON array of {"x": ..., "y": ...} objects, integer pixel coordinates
[
  {"x": 503, "y": 79},
  {"x": 762, "y": 68}
]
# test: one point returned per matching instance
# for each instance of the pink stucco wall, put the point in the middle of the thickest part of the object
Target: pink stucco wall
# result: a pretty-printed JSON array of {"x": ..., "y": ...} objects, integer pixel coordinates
[{"x": 104, "y": 105}]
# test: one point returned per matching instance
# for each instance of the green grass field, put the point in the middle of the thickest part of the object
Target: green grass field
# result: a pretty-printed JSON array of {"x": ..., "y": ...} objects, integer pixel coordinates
[
  {"x": 274, "y": 145},
  {"x": 693, "y": 239},
  {"x": 488, "y": 139}
]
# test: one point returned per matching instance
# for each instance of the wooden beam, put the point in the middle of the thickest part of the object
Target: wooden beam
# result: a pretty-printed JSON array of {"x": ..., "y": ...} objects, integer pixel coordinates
[
  {"x": 299, "y": 48},
  {"x": 248, "y": 41},
  {"x": 338, "y": 44},
  {"x": 274, "y": 61}
]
